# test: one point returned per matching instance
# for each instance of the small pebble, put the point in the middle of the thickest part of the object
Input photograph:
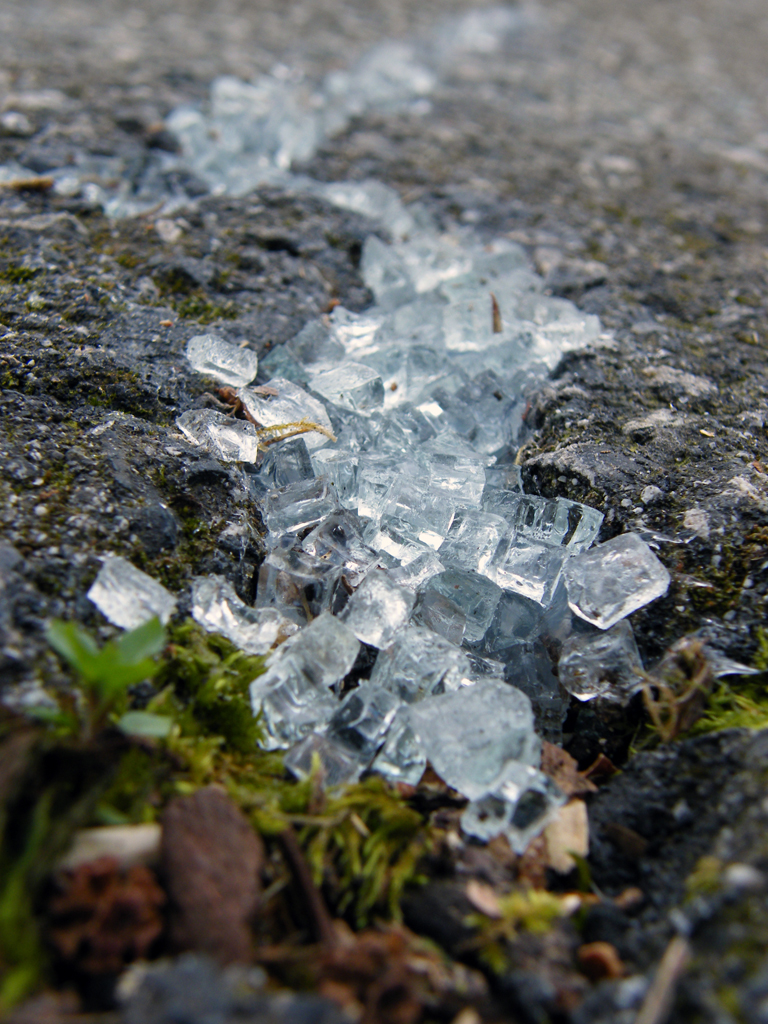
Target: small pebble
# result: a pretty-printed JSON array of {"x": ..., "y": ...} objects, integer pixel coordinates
[{"x": 599, "y": 960}]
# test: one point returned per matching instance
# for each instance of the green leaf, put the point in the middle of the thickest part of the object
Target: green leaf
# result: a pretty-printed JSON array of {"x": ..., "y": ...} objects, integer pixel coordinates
[
  {"x": 143, "y": 642},
  {"x": 76, "y": 647},
  {"x": 55, "y": 716},
  {"x": 115, "y": 678},
  {"x": 144, "y": 723}
]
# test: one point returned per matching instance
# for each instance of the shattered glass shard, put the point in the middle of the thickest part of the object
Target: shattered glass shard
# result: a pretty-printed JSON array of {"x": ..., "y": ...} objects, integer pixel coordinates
[
  {"x": 409, "y": 505},
  {"x": 351, "y": 386},
  {"x": 298, "y": 506},
  {"x": 456, "y": 478},
  {"x": 520, "y": 804},
  {"x": 526, "y": 567},
  {"x": 440, "y": 614},
  {"x": 228, "y": 439},
  {"x": 280, "y": 362},
  {"x": 376, "y": 472},
  {"x": 290, "y": 704},
  {"x": 470, "y": 735},
  {"x": 394, "y": 543},
  {"x": 475, "y": 596},
  {"x": 372, "y": 199},
  {"x": 318, "y": 752},
  {"x": 385, "y": 274},
  {"x": 215, "y": 357},
  {"x": 601, "y": 664},
  {"x": 528, "y": 667},
  {"x": 504, "y": 477},
  {"x": 127, "y": 596},
  {"x": 296, "y": 584},
  {"x": 339, "y": 539},
  {"x": 357, "y": 332},
  {"x": 339, "y": 466},
  {"x": 516, "y": 620},
  {"x": 378, "y": 609},
  {"x": 416, "y": 664},
  {"x": 315, "y": 347},
  {"x": 286, "y": 463},
  {"x": 614, "y": 579},
  {"x": 415, "y": 573},
  {"x": 325, "y": 650},
  {"x": 363, "y": 719},
  {"x": 291, "y": 404},
  {"x": 472, "y": 540},
  {"x": 401, "y": 757},
  {"x": 218, "y": 609},
  {"x": 554, "y": 521}
]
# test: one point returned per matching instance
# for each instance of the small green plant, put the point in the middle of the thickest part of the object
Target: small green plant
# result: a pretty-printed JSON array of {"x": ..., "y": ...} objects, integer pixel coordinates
[
  {"x": 103, "y": 676},
  {"x": 532, "y": 911}
]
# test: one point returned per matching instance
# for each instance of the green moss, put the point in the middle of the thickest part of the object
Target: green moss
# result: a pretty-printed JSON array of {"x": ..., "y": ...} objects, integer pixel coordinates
[
  {"x": 737, "y": 561},
  {"x": 198, "y": 307},
  {"x": 532, "y": 911},
  {"x": 705, "y": 879},
  {"x": 728, "y": 708},
  {"x": 16, "y": 274},
  {"x": 128, "y": 260},
  {"x": 137, "y": 790},
  {"x": 211, "y": 677},
  {"x": 367, "y": 850}
]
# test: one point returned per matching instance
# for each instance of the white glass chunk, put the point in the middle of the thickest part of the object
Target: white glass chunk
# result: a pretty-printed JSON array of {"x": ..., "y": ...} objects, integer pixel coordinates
[
  {"x": 339, "y": 466},
  {"x": 472, "y": 540},
  {"x": 290, "y": 405},
  {"x": 526, "y": 567},
  {"x": 602, "y": 664},
  {"x": 228, "y": 439},
  {"x": 470, "y": 735},
  {"x": 378, "y": 609},
  {"x": 286, "y": 463},
  {"x": 401, "y": 757},
  {"x": 335, "y": 764},
  {"x": 614, "y": 579},
  {"x": 416, "y": 573},
  {"x": 352, "y": 386},
  {"x": 127, "y": 596},
  {"x": 296, "y": 583},
  {"x": 419, "y": 663},
  {"x": 218, "y": 609},
  {"x": 298, "y": 507},
  {"x": 215, "y": 357},
  {"x": 519, "y": 806},
  {"x": 362, "y": 720},
  {"x": 325, "y": 650},
  {"x": 475, "y": 596},
  {"x": 291, "y": 705},
  {"x": 339, "y": 539}
]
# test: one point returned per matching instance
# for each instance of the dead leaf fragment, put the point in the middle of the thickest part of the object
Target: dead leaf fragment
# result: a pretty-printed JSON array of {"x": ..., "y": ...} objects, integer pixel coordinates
[
  {"x": 567, "y": 833},
  {"x": 601, "y": 769},
  {"x": 483, "y": 898},
  {"x": 564, "y": 771}
]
